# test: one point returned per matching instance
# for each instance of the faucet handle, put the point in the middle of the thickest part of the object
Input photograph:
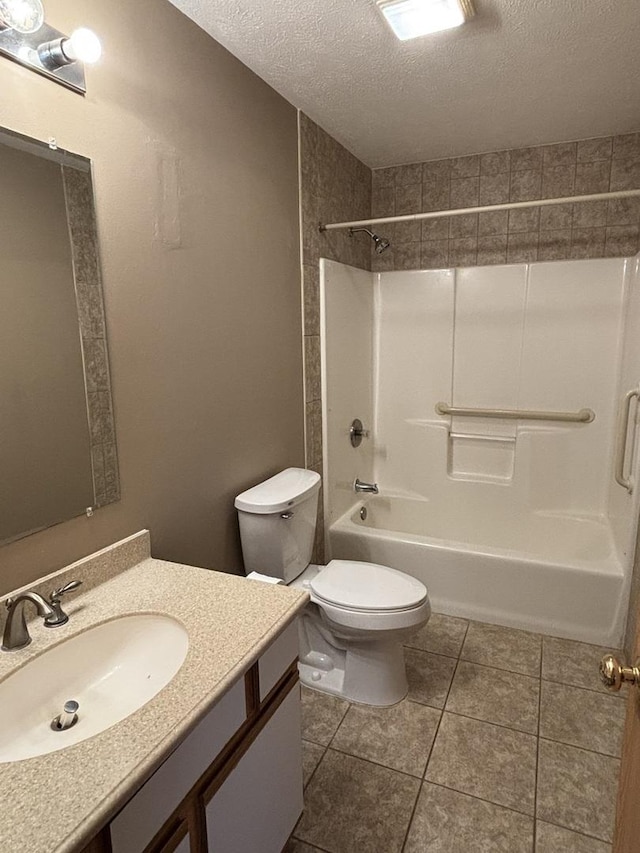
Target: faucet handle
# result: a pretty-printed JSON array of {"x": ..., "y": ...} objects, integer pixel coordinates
[
  {"x": 57, "y": 594},
  {"x": 58, "y": 616}
]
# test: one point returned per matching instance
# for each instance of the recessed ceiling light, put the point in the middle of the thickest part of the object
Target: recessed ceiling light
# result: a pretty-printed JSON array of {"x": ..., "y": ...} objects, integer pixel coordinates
[{"x": 412, "y": 18}]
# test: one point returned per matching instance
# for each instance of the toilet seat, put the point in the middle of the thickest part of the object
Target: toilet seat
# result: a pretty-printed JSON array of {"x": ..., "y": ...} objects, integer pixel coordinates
[
  {"x": 372, "y": 621},
  {"x": 367, "y": 588},
  {"x": 368, "y": 597}
]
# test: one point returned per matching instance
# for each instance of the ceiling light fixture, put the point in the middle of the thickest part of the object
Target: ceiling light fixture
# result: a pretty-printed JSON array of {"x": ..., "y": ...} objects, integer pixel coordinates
[
  {"x": 21, "y": 16},
  {"x": 410, "y": 19}
]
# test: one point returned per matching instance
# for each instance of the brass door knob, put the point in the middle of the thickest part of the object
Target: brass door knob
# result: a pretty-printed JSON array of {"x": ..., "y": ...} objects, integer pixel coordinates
[{"x": 613, "y": 674}]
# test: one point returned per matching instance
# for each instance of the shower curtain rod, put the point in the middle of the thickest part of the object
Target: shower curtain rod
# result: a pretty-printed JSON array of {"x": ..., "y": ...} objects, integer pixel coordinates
[{"x": 487, "y": 208}]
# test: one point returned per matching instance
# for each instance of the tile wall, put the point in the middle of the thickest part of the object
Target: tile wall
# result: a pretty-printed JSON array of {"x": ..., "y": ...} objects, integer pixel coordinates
[
  {"x": 93, "y": 333},
  {"x": 334, "y": 186},
  {"x": 586, "y": 230}
]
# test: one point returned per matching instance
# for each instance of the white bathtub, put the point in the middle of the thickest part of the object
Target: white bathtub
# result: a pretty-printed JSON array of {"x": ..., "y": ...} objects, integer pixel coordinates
[{"x": 546, "y": 572}]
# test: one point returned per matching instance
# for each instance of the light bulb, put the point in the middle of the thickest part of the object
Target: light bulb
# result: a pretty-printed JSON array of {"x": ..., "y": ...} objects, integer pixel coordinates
[
  {"x": 23, "y": 16},
  {"x": 83, "y": 46}
]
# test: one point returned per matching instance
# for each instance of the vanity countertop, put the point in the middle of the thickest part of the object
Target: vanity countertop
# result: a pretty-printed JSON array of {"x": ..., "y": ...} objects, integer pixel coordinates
[{"x": 57, "y": 802}]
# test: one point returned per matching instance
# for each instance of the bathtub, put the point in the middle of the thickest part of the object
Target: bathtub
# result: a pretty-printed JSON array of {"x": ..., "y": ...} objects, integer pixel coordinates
[{"x": 548, "y": 572}]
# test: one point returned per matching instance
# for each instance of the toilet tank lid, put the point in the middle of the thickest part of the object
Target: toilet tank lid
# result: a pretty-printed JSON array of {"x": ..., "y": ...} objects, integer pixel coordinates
[{"x": 278, "y": 493}]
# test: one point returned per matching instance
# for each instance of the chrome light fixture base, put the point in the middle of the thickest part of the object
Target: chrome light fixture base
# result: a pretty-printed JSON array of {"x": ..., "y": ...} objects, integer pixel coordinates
[{"x": 25, "y": 49}]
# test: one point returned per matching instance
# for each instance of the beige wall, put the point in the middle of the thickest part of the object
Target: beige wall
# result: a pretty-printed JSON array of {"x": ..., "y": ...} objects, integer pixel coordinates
[
  {"x": 588, "y": 230},
  {"x": 204, "y": 339}
]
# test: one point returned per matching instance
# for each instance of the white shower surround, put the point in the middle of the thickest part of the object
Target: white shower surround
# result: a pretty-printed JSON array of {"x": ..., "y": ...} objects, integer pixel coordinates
[{"x": 522, "y": 523}]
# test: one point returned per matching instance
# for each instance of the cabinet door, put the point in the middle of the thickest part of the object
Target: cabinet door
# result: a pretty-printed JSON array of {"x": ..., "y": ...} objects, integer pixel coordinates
[
  {"x": 259, "y": 803},
  {"x": 144, "y": 815}
]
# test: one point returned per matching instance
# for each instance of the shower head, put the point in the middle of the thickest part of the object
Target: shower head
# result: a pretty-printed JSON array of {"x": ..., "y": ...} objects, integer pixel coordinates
[{"x": 381, "y": 243}]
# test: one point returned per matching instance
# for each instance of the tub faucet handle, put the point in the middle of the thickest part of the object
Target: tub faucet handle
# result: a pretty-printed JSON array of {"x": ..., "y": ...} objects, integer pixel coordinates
[{"x": 357, "y": 432}]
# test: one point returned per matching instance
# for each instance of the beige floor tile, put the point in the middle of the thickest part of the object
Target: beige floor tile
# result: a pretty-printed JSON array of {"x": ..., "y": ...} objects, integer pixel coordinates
[
  {"x": 400, "y": 737},
  {"x": 352, "y": 805},
  {"x": 429, "y": 677},
  {"x": 577, "y": 789},
  {"x": 311, "y": 755},
  {"x": 582, "y": 718},
  {"x": 486, "y": 761},
  {"x": 503, "y": 648},
  {"x": 443, "y": 635},
  {"x": 572, "y": 663},
  {"x": 446, "y": 821},
  {"x": 495, "y": 696},
  {"x": 321, "y": 715},
  {"x": 554, "y": 839}
]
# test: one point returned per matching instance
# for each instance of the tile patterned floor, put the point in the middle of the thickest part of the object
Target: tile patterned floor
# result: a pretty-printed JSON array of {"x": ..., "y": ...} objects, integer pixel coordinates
[{"x": 490, "y": 753}]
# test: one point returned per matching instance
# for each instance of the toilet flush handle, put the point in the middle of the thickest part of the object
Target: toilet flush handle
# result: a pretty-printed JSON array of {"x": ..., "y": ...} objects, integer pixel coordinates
[{"x": 286, "y": 515}]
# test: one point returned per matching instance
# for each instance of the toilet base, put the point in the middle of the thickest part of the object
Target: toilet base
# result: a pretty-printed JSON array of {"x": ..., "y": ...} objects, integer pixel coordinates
[{"x": 370, "y": 673}]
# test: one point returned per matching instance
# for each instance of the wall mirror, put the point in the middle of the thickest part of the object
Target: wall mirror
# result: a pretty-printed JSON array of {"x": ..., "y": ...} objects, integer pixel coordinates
[{"x": 57, "y": 436}]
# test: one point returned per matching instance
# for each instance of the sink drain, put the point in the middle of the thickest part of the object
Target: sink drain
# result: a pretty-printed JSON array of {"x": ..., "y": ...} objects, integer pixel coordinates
[{"x": 68, "y": 717}]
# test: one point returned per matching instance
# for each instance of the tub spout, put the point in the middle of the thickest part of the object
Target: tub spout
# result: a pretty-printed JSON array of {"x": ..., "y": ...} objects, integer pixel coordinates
[{"x": 371, "y": 488}]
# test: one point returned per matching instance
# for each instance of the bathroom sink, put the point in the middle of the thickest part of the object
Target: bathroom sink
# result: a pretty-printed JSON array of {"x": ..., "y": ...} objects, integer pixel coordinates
[{"x": 110, "y": 670}]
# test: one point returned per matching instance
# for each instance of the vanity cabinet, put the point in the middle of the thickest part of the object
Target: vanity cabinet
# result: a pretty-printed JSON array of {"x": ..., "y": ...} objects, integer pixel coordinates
[{"x": 235, "y": 783}]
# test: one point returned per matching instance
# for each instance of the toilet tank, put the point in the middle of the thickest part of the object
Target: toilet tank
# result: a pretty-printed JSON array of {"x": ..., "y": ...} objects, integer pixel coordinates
[{"x": 278, "y": 523}]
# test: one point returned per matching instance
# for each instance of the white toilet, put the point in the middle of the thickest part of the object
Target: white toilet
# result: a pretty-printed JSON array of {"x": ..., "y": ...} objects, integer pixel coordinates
[{"x": 352, "y": 632}]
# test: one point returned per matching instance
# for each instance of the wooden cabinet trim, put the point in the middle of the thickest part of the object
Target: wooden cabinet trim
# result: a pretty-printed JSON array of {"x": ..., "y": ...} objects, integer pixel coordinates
[
  {"x": 190, "y": 812},
  {"x": 176, "y": 831},
  {"x": 101, "y": 843},
  {"x": 229, "y": 758},
  {"x": 252, "y": 690}
]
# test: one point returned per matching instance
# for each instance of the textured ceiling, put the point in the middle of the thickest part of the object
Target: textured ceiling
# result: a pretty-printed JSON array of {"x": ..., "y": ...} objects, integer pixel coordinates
[{"x": 523, "y": 72}]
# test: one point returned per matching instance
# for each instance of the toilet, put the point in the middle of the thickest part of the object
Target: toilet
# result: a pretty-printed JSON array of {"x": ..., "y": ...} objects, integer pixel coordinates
[{"x": 360, "y": 614}]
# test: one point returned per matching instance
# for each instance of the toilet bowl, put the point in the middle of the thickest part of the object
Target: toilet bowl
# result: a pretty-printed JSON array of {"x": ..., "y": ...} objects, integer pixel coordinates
[{"x": 360, "y": 614}]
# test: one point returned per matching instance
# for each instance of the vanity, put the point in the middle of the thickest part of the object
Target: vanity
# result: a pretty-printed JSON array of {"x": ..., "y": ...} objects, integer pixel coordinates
[{"x": 212, "y": 762}]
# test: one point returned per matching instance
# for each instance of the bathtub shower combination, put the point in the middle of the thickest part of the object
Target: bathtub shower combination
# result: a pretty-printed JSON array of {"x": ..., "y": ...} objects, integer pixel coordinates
[{"x": 501, "y": 417}]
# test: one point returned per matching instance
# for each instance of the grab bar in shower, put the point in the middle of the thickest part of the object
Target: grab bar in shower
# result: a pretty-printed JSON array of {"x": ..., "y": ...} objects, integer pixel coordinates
[
  {"x": 584, "y": 416},
  {"x": 621, "y": 441}
]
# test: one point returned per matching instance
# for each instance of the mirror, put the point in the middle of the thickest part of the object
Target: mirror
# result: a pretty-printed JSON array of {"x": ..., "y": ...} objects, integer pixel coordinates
[{"x": 57, "y": 436}]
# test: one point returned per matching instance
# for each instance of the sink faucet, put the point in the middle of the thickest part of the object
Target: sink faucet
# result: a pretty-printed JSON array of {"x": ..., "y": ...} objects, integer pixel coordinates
[
  {"x": 16, "y": 633},
  {"x": 371, "y": 488}
]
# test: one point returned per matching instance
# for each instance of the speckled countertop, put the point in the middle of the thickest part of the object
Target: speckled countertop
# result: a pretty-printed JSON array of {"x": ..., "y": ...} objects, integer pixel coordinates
[{"x": 57, "y": 802}]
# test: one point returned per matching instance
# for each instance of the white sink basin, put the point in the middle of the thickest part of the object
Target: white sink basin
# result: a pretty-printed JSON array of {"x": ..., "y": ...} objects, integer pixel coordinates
[{"x": 110, "y": 670}]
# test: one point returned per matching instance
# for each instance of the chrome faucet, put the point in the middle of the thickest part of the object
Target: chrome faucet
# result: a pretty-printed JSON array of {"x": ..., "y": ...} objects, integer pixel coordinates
[
  {"x": 16, "y": 633},
  {"x": 371, "y": 488}
]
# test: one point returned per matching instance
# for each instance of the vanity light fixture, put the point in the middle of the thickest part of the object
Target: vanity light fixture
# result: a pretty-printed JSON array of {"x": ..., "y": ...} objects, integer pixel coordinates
[
  {"x": 82, "y": 46},
  {"x": 21, "y": 16},
  {"x": 28, "y": 40},
  {"x": 412, "y": 18}
]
